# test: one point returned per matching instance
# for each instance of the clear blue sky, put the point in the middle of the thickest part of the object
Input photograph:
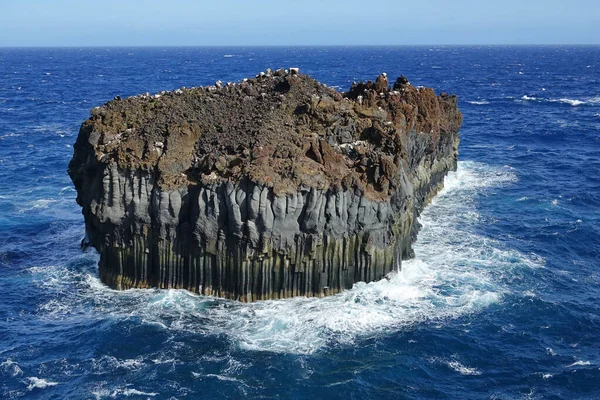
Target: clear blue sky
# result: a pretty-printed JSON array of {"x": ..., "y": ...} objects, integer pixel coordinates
[{"x": 297, "y": 22}]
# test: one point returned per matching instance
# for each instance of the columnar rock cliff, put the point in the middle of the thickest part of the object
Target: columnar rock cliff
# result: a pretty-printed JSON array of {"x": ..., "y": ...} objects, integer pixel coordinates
[{"x": 274, "y": 187}]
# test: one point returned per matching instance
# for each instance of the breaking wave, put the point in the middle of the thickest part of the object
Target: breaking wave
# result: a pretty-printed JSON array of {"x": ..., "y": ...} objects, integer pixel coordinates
[
  {"x": 119, "y": 393},
  {"x": 455, "y": 365},
  {"x": 39, "y": 383},
  {"x": 451, "y": 276},
  {"x": 572, "y": 102},
  {"x": 479, "y": 102}
]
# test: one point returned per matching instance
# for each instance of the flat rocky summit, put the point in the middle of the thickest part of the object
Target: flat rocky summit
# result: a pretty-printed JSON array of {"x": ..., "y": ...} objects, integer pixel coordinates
[
  {"x": 273, "y": 187},
  {"x": 282, "y": 129}
]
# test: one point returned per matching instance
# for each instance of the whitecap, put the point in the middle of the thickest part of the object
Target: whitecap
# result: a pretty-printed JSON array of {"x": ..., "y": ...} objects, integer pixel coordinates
[
  {"x": 11, "y": 367},
  {"x": 223, "y": 378},
  {"x": 67, "y": 188},
  {"x": 528, "y": 98},
  {"x": 52, "y": 277},
  {"x": 462, "y": 369},
  {"x": 38, "y": 204},
  {"x": 39, "y": 383},
  {"x": 12, "y": 134},
  {"x": 110, "y": 363},
  {"x": 164, "y": 361},
  {"x": 580, "y": 363},
  {"x": 228, "y": 55},
  {"x": 455, "y": 365},
  {"x": 131, "y": 392},
  {"x": 117, "y": 393},
  {"x": 55, "y": 308},
  {"x": 574, "y": 103},
  {"x": 478, "y": 102}
]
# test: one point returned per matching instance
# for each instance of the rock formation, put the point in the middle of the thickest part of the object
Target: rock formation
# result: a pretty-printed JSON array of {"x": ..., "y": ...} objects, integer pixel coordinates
[{"x": 274, "y": 187}]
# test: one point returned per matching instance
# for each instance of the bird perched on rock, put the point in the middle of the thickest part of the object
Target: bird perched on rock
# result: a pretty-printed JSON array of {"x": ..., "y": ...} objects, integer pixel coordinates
[
  {"x": 400, "y": 82},
  {"x": 381, "y": 84}
]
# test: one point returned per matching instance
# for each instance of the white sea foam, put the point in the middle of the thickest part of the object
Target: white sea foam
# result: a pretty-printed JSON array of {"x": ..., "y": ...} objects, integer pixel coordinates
[
  {"x": 41, "y": 203},
  {"x": 564, "y": 100},
  {"x": 110, "y": 363},
  {"x": 12, "y": 134},
  {"x": 572, "y": 102},
  {"x": 66, "y": 189},
  {"x": 462, "y": 369},
  {"x": 454, "y": 273},
  {"x": 39, "y": 383},
  {"x": 55, "y": 278},
  {"x": 455, "y": 365},
  {"x": 223, "y": 377},
  {"x": 55, "y": 309},
  {"x": 10, "y": 367},
  {"x": 580, "y": 363},
  {"x": 594, "y": 100},
  {"x": 130, "y": 392},
  {"x": 118, "y": 393},
  {"x": 478, "y": 102}
]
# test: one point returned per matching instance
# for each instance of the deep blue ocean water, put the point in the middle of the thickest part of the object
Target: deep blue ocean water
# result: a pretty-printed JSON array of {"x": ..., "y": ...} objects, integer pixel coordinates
[{"x": 502, "y": 300}]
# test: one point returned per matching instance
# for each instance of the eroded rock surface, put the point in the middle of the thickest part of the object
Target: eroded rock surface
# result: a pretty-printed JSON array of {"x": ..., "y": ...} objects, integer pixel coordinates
[{"x": 274, "y": 187}]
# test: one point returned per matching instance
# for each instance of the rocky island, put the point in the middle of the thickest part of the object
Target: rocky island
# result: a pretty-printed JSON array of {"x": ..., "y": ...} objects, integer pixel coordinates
[{"x": 273, "y": 187}]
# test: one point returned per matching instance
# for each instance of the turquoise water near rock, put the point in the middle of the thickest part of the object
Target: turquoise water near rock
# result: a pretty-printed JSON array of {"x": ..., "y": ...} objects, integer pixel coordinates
[{"x": 501, "y": 300}]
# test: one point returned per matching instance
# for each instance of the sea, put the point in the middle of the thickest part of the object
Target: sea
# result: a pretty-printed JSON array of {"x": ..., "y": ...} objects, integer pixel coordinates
[{"x": 502, "y": 300}]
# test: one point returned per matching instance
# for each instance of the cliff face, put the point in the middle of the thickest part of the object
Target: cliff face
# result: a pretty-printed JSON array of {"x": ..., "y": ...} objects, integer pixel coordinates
[{"x": 274, "y": 187}]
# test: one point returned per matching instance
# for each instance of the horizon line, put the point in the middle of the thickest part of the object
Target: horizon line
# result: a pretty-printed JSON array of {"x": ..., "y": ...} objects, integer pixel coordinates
[{"x": 295, "y": 45}]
